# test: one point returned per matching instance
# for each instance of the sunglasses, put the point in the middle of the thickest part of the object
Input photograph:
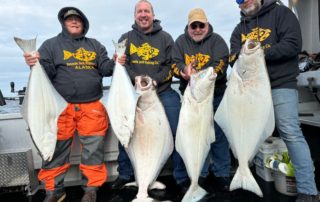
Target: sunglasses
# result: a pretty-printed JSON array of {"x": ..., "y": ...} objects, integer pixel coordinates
[
  {"x": 240, "y": 1},
  {"x": 197, "y": 25}
]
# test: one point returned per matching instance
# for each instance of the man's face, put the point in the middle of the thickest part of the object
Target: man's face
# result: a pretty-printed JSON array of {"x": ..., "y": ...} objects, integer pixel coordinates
[
  {"x": 250, "y": 7},
  {"x": 144, "y": 16},
  {"x": 198, "y": 30},
  {"x": 74, "y": 25}
]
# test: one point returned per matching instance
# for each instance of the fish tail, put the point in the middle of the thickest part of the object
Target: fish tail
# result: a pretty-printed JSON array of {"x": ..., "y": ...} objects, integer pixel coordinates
[
  {"x": 67, "y": 55},
  {"x": 245, "y": 180},
  {"x": 124, "y": 136},
  {"x": 47, "y": 155},
  {"x": 26, "y": 45},
  {"x": 194, "y": 193},
  {"x": 143, "y": 199},
  {"x": 120, "y": 47}
]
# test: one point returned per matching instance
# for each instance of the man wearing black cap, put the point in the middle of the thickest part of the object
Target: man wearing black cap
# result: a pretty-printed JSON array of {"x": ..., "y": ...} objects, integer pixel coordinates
[
  {"x": 76, "y": 65},
  {"x": 278, "y": 30}
]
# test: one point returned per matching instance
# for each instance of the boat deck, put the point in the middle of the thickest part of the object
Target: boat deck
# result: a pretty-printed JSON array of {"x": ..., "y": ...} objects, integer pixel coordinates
[{"x": 105, "y": 194}]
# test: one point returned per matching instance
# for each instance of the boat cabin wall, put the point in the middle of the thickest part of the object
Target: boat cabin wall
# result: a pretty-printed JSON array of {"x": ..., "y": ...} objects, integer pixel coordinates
[{"x": 308, "y": 14}]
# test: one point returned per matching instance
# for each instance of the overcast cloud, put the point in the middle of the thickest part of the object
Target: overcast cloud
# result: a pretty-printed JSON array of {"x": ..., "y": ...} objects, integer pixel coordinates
[{"x": 108, "y": 20}]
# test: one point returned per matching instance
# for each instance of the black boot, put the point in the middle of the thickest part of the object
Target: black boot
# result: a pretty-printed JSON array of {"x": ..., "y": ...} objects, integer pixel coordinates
[
  {"x": 307, "y": 198},
  {"x": 120, "y": 182},
  {"x": 89, "y": 196},
  {"x": 223, "y": 184},
  {"x": 54, "y": 197},
  {"x": 184, "y": 186},
  {"x": 202, "y": 182}
]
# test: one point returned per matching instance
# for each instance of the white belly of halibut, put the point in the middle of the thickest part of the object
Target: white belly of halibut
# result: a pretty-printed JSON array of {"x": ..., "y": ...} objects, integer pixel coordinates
[
  {"x": 122, "y": 101},
  {"x": 42, "y": 106},
  {"x": 195, "y": 133},
  {"x": 151, "y": 144},
  {"x": 246, "y": 114}
]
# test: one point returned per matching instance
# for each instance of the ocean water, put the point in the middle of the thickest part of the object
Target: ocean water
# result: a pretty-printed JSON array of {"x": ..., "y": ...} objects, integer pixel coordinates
[{"x": 20, "y": 80}]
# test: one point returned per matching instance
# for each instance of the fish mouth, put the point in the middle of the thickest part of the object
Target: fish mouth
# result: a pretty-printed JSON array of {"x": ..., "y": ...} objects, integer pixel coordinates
[
  {"x": 143, "y": 83},
  {"x": 251, "y": 46}
]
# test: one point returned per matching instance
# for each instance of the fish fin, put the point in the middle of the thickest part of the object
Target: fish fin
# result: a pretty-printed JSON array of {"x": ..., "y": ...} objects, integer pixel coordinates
[
  {"x": 26, "y": 45},
  {"x": 157, "y": 185},
  {"x": 245, "y": 181},
  {"x": 142, "y": 195},
  {"x": 125, "y": 140},
  {"x": 47, "y": 154},
  {"x": 147, "y": 199},
  {"x": 194, "y": 193},
  {"x": 132, "y": 184},
  {"x": 67, "y": 55}
]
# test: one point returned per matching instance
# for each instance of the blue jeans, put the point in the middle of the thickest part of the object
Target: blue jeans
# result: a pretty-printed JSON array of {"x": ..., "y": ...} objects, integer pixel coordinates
[
  {"x": 219, "y": 150},
  {"x": 285, "y": 103},
  {"x": 171, "y": 103}
]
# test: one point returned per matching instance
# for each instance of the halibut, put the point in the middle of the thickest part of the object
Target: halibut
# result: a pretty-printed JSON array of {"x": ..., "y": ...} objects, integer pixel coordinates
[
  {"x": 195, "y": 131},
  {"x": 245, "y": 113},
  {"x": 42, "y": 105},
  {"x": 152, "y": 142},
  {"x": 122, "y": 100}
]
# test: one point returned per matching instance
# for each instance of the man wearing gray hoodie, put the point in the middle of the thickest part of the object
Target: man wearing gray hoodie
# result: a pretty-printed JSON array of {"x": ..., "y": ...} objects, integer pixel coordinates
[
  {"x": 76, "y": 64},
  {"x": 278, "y": 31}
]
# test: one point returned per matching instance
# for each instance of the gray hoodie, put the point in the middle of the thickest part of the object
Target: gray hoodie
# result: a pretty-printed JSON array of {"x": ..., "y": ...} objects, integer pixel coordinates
[
  {"x": 76, "y": 65},
  {"x": 278, "y": 30}
]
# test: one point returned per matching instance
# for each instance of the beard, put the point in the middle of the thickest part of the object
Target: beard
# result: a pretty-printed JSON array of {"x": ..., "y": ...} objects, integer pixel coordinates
[{"x": 253, "y": 9}]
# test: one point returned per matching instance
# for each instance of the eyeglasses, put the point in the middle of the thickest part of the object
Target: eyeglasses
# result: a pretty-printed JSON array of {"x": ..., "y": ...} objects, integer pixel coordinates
[
  {"x": 196, "y": 25},
  {"x": 240, "y": 1}
]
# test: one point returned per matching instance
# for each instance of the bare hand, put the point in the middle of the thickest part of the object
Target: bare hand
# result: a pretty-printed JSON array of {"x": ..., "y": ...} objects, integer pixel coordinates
[
  {"x": 31, "y": 58},
  {"x": 187, "y": 71},
  {"x": 121, "y": 60},
  {"x": 154, "y": 82},
  {"x": 184, "y": 76}
]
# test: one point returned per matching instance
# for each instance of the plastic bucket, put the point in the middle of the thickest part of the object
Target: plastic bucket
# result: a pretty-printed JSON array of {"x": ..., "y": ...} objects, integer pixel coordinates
[
  {"x": 267, "y": 149},
  {"x": 284, "y": 184}
]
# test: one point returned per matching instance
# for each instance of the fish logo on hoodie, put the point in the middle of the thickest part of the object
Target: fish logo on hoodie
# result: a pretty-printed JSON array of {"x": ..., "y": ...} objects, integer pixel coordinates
[
  {"x": 81, "y": 54},
  {"x": 200, "y": 60},
  {"x": 145, "y": 51},
  {"x": 257, "y": 33}
]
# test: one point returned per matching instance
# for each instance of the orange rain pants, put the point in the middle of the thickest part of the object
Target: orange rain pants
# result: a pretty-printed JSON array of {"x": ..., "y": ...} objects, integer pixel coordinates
[{"x": 90, "y": 120}]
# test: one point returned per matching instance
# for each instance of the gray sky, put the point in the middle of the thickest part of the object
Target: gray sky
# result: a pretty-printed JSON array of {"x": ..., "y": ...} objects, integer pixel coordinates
[{"x": 108, "y": 20}]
